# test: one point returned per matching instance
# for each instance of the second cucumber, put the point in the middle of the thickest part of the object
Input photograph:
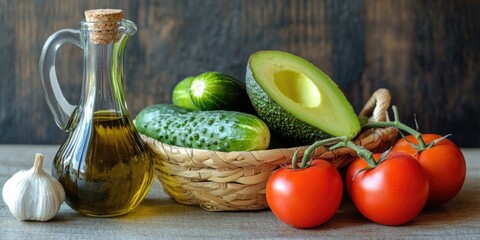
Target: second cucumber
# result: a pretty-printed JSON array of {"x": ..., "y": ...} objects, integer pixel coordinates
[{"x": 219, "y": 91}]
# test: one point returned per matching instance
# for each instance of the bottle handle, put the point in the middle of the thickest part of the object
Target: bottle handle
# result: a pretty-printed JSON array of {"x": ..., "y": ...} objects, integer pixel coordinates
[{"x": 62, "y": 109}]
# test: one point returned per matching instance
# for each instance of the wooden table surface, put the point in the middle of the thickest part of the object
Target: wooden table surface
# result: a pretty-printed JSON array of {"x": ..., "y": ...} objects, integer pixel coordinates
[{"x": 160, "y": 217}]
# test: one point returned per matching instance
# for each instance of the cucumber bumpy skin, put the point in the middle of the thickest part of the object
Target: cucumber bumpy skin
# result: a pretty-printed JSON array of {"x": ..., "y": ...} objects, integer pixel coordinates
[
  {"x": 212, "y": 130},
  {"x": 150, "y": 112}
]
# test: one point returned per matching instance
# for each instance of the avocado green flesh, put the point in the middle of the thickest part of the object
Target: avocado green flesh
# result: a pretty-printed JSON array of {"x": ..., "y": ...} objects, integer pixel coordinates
[
  {"x": 298, "y": 100},
  {"x": 298, "y": 88}
]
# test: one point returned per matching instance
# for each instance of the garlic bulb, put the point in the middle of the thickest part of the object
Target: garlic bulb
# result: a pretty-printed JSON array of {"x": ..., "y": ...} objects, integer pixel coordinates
[{"x": 33, "y": 194}]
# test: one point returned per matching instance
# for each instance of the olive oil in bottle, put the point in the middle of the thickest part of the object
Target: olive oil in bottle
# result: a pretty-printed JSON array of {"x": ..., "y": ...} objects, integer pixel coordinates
[{"x": 109, "y": 174}]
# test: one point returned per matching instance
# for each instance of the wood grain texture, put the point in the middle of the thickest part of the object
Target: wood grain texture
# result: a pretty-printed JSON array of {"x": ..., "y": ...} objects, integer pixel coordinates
[
  {"x": 426, "y": 52},
  {"x": 160, "y": 217}
]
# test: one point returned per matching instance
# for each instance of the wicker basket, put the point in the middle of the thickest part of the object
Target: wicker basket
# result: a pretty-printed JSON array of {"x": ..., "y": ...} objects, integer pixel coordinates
[{"x": 232, "y": 181}]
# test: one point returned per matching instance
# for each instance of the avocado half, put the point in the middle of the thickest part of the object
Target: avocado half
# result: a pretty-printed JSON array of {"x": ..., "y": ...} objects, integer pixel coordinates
[{"x": 297, "y": 100}]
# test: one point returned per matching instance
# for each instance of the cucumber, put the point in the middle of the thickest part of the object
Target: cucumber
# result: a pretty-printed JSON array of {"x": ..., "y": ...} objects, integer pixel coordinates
[
  {"x": 219, "y": 91},
  {"x": 148, "y": 113},
  {"x": 217, "y": 130},
  {"x": 181, "y": 94}
]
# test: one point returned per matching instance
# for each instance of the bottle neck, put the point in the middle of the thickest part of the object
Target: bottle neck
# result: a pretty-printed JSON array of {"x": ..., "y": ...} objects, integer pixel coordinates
[{"x": 103, "y": 73}]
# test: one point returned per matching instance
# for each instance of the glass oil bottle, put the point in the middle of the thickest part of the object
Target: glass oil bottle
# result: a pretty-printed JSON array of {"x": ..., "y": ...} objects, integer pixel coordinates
[{"x": 104, "y": 166}]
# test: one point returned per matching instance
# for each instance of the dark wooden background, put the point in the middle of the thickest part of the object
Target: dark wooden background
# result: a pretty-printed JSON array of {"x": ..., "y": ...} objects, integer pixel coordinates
[{"x": 427, "y": 53}]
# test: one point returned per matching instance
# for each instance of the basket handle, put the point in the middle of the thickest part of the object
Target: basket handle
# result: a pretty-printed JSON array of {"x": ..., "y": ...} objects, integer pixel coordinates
[{"x": 377, "y": 106}]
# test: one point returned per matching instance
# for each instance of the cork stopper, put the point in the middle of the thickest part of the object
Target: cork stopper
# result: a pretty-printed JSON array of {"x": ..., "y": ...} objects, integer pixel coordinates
[{"x": 104, "y": 29}]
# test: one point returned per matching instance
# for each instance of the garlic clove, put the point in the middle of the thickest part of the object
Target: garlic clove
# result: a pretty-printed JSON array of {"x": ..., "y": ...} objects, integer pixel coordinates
[{"x": 33, "y": 194}]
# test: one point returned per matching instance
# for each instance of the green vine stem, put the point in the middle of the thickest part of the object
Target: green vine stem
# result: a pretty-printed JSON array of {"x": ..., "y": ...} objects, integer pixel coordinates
[
  {"x": 306, "y": 156},
  {"x": 338, "y": 142},
  {"x": 396, "y": 123},
  {"x": 334, "y": 143},
  {"x": 361, "y": 152}
]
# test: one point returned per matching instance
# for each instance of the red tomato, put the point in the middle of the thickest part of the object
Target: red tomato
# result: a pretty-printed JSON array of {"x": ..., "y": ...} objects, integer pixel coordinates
[
  {"x": 444, "y": 164},
  {"x": 392, "y": 193},
  {"x": 307, "y": 197}
]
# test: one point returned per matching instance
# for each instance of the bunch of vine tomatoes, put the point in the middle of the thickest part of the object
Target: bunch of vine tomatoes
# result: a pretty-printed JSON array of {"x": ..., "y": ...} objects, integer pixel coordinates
[{"x": 389, "y": 189}]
